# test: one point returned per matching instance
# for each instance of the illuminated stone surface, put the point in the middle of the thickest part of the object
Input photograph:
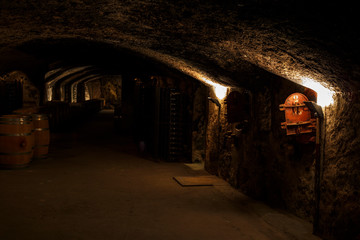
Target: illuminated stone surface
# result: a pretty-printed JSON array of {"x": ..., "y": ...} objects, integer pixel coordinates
[
  {"x": 292, "y": 42},
  {"x": 234, "y": 43}
]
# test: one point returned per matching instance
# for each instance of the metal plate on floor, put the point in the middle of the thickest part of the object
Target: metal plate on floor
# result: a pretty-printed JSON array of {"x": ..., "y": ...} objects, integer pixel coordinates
[{"x": 196, "y": 181}]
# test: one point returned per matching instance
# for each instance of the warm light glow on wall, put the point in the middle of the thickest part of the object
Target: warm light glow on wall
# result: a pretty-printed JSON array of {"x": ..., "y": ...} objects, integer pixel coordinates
[
  {"x": 48, "y": 92},
  {"x": 324, "y": 95},
  {"x": 220, "y": 90},
  {"x": 186, "y": 67}
]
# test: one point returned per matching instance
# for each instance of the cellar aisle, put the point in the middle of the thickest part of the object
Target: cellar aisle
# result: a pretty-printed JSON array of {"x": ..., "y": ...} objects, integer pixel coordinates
[{"x": 95, "y": 185}]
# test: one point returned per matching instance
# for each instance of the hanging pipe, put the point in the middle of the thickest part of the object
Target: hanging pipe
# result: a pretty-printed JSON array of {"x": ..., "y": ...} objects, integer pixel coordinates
[{"x": 317, "y": 110}]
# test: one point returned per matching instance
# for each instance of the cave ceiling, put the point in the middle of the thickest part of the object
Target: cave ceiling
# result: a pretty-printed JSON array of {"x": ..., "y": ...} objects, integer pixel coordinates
[{"x": 231, "y": 42}]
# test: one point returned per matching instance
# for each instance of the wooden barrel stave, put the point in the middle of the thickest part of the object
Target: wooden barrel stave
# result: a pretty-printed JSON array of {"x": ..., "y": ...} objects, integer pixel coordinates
[
  {"x": 16, "y": 141},
  {"x": 41, "y": 135}
]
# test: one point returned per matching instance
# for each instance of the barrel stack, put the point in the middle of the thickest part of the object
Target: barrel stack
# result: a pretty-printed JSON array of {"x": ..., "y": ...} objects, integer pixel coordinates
[{"x": 24, "y": 136}]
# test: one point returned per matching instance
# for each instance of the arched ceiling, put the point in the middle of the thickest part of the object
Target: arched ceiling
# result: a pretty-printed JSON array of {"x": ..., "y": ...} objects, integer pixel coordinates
[{"x": 224, "y": 41}]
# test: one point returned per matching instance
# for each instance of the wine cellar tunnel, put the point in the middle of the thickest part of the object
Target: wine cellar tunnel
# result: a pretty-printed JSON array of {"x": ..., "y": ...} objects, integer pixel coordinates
[
  {"x": 150, "y": 101},
  {"x": 267, "y": 104}
]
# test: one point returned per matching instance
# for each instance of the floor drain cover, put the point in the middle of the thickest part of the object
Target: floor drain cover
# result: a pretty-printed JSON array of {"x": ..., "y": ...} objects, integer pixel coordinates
[{"x": 198, "y": 181}]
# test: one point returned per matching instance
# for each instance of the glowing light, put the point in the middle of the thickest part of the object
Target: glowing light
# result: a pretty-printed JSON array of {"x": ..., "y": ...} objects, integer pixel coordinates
[
  {"x": 220, "y": 91},
  {"x": 324, "y": 95}
]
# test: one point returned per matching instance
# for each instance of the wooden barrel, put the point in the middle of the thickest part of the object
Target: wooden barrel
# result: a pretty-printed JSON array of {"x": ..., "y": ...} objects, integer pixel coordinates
[
  {"x": 41, "y": 135},
  {"x": 16, "y": 141}
]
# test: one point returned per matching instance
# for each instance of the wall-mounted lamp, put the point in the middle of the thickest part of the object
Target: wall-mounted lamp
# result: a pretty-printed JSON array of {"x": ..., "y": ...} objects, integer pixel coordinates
[
  {"x": 324, "y": 95},
  {"x": 220, "y": 91}
]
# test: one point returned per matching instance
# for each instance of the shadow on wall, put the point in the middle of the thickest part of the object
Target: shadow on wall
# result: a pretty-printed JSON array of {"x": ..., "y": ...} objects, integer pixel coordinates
[{"x": 17, "y": 91}]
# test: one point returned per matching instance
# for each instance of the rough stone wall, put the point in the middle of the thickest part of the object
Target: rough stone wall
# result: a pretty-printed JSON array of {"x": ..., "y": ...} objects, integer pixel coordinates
[
  {"x": 213, "y": 136},
  {"x": 266, "y": 164},
  {"x": 93, "y": 90},
  {"x": 111, "y": 87},
  {"x": 31, "y": 94},
  {"x": 340, "y": 182},
  {"x": 222, "y": 39},
  {"x": 294, "y": 42},
  {"x": 199, "y": 124},
  {"x": 261, "y": 160}
]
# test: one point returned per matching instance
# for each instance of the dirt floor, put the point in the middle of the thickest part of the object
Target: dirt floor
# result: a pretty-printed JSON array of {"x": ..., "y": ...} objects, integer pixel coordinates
[{"x": 95, "y": 185}]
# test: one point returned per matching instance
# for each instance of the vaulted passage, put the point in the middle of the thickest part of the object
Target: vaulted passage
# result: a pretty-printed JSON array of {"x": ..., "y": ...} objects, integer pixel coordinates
[
  {"x": 104, "y": 104},
  {"x": 167, "y": 113}
]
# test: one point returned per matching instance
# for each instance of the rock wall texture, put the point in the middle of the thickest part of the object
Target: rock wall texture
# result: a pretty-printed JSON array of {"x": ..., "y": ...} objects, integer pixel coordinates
[
  {"x": 92, "y": 90},
  {"x": 340, "y": 182},
  {"x": 233, "y": 43},
  {"x": 199, "y": 123},
  {"x": 261, "y": 160},
  {"x": 220, "y": 38},
  {"x": 30, "y": 93},
  {"x": 111, "y": 88},
  {"x": 266, "y": 164},
  {"x": 213, "y": 134}
]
